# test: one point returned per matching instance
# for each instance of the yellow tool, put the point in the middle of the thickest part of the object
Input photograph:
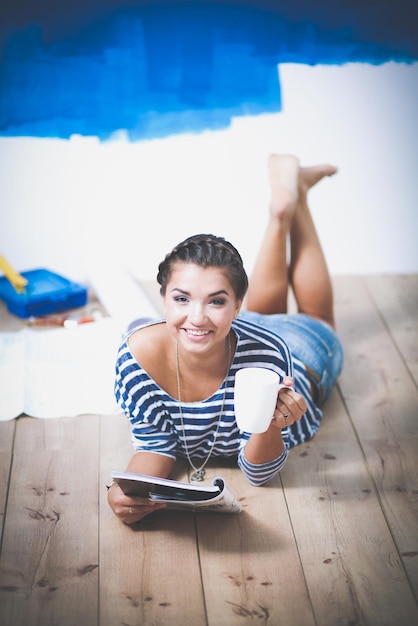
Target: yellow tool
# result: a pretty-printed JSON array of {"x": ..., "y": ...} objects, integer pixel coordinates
[{"x": 19, "y": 282}]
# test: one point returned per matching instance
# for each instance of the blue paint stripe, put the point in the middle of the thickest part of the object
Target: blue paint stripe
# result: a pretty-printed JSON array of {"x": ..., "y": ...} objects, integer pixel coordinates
[{"x": 187, "y": 67}]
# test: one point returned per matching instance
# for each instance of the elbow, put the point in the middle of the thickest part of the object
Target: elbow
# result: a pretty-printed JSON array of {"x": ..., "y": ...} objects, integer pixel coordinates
[
  {"x": 260, "y": 474},
  {"x": 259, "y": 481}
]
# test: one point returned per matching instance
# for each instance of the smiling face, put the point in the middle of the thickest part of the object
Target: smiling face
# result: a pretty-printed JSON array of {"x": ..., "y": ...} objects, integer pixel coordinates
[{"x": 200, "y": 305}]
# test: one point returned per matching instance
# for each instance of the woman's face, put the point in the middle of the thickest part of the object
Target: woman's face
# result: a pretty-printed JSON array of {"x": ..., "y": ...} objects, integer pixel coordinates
[{"x": 200, "y": 305}]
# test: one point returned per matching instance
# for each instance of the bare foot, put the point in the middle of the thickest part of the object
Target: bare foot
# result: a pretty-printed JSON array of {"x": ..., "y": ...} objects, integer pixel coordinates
[
  {"x": 309, "y": 176},
  {"x": 283, "y": 176}
]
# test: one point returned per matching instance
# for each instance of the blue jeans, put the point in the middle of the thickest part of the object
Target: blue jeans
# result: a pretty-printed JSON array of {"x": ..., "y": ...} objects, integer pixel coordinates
[{"x": 313, "y": 342}]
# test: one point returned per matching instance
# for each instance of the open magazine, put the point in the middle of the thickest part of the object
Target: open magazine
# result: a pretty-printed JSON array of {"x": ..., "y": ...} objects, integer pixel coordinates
[{"x": 178, "y": 495}]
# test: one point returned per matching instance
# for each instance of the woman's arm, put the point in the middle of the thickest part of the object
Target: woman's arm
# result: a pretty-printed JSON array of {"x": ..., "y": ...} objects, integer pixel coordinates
[
  {"x": 265, "y": 453},
  {"x": 132, "y": 509}
]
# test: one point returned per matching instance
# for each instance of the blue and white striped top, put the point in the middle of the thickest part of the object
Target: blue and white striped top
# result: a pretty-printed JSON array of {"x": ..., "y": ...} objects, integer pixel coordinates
[{"x": 155, "y": 416}]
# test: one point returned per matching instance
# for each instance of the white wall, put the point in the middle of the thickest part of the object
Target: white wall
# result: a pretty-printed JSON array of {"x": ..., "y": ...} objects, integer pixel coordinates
[{"x": 62, "y": 200}]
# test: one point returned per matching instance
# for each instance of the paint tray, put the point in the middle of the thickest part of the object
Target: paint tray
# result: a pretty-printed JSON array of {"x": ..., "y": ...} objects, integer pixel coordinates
[{"x": 45, "y": 293}]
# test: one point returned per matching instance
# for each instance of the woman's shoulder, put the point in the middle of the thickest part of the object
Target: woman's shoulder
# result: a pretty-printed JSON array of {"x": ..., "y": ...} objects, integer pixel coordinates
[
  {"x": 151, "y": 349},
  {"x": 147, "y": 342}
]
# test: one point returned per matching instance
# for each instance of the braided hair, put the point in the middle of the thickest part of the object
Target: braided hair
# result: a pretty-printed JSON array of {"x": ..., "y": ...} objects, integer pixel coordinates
[{"x": 206, "y": 251}]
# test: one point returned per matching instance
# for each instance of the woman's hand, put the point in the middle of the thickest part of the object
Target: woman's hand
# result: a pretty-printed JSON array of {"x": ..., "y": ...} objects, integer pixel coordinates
[
  {"x": 290, "y": 405},
  {"x": 130, "y": 509},
  {"x": 267, "y": 446}
]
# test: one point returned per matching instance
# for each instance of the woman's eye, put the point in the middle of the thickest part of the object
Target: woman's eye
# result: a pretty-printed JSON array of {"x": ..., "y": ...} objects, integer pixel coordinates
[
  {"x": 180, "y": 299},
  {"x": 218, "y": 302}
]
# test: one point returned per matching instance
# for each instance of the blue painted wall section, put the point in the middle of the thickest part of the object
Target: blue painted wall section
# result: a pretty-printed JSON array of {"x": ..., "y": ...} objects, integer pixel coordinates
[{"x": 155, "y": 69}]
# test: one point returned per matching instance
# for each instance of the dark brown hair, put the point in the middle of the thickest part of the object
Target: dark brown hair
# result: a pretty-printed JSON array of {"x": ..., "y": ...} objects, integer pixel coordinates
[{"x": 206, "y": 251}]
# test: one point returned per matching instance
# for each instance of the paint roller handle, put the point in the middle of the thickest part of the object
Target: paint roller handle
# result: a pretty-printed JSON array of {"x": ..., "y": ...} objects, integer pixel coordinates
[{"x": 18, "y": 282}]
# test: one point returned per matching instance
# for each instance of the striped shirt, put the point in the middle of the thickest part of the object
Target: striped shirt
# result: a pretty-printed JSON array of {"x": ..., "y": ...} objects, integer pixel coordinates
[{"x": 158, "y": 425}]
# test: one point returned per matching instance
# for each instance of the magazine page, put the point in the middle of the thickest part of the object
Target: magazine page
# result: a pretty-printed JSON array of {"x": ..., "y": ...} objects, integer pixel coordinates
[
  {"x": 225, "y": 502},
  {"x": 179, "y": 495}
]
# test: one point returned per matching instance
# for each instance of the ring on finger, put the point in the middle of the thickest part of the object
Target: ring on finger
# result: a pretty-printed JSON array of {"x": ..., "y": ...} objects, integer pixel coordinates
[{"x": 130, "y": 510}]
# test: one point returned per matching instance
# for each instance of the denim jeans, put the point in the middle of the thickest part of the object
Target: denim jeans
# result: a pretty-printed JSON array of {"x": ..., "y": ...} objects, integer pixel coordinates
[{"x": 313, "y": 342}]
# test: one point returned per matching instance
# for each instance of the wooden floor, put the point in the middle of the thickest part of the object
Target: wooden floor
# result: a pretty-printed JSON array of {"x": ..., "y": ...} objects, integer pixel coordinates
[{"x": 333, "y": 541}]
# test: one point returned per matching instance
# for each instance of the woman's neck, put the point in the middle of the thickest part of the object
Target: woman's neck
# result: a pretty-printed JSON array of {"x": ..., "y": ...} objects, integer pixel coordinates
[{"x": 200, "y": 376}]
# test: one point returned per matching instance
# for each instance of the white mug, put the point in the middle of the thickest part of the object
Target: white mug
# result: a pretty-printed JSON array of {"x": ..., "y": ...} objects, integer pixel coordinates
[{"x": 255, "y": 397}]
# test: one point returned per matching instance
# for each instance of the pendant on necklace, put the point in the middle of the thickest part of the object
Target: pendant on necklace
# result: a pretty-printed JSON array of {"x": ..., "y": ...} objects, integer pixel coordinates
[{"x": 198, "y": 476}]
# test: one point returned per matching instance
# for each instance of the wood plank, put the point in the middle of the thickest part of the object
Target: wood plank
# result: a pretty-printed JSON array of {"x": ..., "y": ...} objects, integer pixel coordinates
[
  {"x": 149, "y": 573},
  {"x": 250, "y": 565},
  {"x": 382, "y": 401},
  {"x": 352, "y": 567},
  {"x": 7, "y": 430},
  {"x": 49, "y": 560},
  {"x": 396, "y": 297}
]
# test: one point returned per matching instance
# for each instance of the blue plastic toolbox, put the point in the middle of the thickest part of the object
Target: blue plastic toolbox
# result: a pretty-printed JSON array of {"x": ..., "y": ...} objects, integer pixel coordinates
[{"x": 45, "y": 293}]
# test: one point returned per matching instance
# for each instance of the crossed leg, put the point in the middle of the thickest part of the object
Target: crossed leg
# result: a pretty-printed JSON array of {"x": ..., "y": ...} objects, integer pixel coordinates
[{"x": 290, "y": 222}]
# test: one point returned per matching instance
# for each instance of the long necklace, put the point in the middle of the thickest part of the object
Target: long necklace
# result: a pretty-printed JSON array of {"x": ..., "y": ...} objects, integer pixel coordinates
[{"x": 199, "y": 472}]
